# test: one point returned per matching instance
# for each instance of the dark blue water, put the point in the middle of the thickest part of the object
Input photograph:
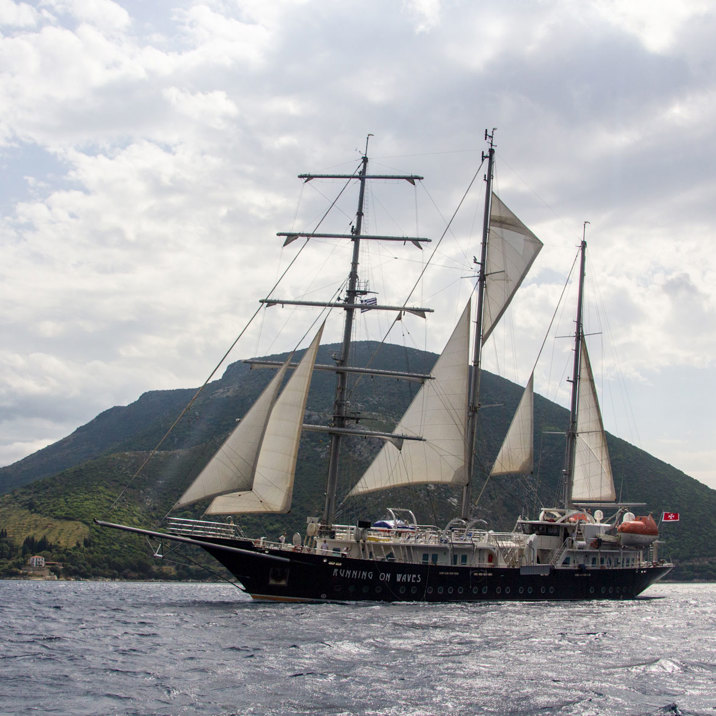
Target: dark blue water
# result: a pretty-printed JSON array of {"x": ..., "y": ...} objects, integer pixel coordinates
[{"x": 127, "y": 648}]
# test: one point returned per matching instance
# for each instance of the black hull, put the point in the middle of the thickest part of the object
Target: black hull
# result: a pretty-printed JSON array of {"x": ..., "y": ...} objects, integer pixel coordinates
[{"x": 307, "y": 576}]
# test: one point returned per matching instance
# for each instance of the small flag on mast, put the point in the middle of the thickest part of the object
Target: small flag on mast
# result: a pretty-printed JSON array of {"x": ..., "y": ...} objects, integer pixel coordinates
[
  {"x": 670, "y": 517},
  {"x": 368, "y": 303}
]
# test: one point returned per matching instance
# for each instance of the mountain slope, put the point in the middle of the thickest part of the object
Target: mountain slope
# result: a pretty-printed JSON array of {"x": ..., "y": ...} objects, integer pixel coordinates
[{"x": 80, "y": 477}]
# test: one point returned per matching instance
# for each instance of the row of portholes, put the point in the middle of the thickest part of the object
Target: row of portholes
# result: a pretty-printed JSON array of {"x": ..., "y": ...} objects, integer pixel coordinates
[
  {"x": 378, "y": 589},
  {"x": 442, "y": 590},
  {"x": 608, "y": 590}
]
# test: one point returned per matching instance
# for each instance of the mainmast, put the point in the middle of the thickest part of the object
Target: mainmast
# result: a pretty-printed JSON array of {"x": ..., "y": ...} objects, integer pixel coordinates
[
  {"x": 578, "y": 335},
  {"x": 474, "y": 400}
]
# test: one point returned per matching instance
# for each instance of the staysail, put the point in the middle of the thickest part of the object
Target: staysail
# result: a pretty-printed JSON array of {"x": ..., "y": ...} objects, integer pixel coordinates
[
  {"x": 592, "y": 479},
  {"x": 511, "y": 250},
  {"x": 516, "y": 453},
  {"x": 438, "y": 413},
  {"x": 232, "y": 466},
  {"x": 272, "y": 485}
]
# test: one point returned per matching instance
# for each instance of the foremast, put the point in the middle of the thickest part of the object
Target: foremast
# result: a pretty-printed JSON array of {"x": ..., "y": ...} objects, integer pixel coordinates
[
  {"x": 342, "y": 418},
  {"x": 474, "y": 398},
  {"x": 572, "y": 431},
  {"x": 340, "y": 408}
]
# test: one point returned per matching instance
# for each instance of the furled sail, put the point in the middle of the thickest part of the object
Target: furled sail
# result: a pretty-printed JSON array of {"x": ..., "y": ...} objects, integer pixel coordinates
[
  {"x": 516, "y": 453},
  {"x": 438, "y": 414},
  {"x": 232, "y": 466},
  {"x": 592, "y": 479},
  {"x": 511, "y": 250},
  {"x": 272, "y": 486}
]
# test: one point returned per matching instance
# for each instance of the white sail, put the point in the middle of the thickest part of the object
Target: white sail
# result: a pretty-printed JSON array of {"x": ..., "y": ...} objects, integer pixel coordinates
[
  {"x": 272, "y": 487},
  {"x": 516, "y": 453},
  {"x": 511, "y": 250},
  {"x": 232, "y": 466},
  {"x": 438, "y": 413},
  {"x": 592, "y": 479}
]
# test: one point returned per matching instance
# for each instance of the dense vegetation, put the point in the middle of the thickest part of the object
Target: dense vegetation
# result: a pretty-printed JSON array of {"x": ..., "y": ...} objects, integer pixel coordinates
[{"x": 54, "y": 495}]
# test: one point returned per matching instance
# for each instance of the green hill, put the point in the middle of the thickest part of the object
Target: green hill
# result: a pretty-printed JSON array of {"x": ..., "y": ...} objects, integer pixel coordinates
[{"x": 53, "y": 495}]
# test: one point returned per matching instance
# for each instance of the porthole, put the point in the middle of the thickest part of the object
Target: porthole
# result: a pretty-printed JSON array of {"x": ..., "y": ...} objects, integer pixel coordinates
[
  {"x": 475, "y": 590},
  {"x": 429, "y": 590},
  {"x": 521, "y": 590},
  {"x": 529, "y": 590},
  {"x": 402, "y": 590},
  {"x": 498, "y": 590},
  {"x": 551, "y": 590},
  {"x": 507, "y": 590},
  {"x": 450, "y": 590},
  {"x": 591, "y": 590},
  {"x": 459, "y": 590},
  {"x": 440, "y": 590},
  {"x": 604, "y": 589},
  {"x": 542, "y": 590},
  {"x": 484, "y": 589},
  {"x": 413, "y": 590}
]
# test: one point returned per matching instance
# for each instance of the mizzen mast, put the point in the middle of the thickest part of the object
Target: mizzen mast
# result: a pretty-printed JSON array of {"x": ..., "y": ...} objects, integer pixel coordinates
[{"x": 570, "y": 452}]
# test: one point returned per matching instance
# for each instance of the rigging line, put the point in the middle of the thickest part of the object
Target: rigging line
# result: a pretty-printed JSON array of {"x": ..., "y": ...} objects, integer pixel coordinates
[
  {"x": 205, "y": 568},
  {"x": 556, "y": 308},
  {"x": 226, "y": 355},
  {"x": 544, "y": 341},
  {"x": 422, "y": 272},
  {"x": 417, "y": 281}
]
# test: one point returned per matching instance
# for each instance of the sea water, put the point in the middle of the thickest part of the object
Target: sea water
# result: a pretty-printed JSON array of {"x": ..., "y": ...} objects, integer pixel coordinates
[{"x": 168, "y": 648}]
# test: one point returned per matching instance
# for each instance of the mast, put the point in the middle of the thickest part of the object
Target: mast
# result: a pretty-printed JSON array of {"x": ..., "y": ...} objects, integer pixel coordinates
[
  {"x": 339, "y": 426},
  {"x": 570, "y": 451},
  {"x": 339, "y": 404},
  {"x": 474, "y": 399}
]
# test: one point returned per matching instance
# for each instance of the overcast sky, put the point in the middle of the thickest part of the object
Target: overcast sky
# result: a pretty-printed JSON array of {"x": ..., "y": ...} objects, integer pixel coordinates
[{"x": 149, "y": 153}]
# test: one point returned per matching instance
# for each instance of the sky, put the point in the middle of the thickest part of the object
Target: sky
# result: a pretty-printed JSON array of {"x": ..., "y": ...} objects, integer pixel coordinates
[{"x": 149, "y": 154}]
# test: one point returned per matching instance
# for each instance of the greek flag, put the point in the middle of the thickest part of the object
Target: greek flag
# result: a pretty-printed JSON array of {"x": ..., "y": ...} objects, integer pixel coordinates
[{"x": 368, "y": 303}]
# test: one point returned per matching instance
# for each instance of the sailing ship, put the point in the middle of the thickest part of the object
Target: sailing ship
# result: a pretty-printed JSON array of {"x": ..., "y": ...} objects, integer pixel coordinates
[{"x": 571, "y": 551}]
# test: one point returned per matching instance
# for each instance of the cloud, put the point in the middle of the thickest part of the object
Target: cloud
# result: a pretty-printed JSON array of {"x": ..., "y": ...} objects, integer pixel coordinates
[{"x": 150, "y": 152}]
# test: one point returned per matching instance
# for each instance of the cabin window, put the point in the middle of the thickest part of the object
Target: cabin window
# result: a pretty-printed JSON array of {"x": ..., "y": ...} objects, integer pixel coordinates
[
  {"x": 567, "y": 560},
  {"x": 463, "y": 559},
  {"x": 426, "y": 557},
  {"x": 434, "y": 558},
  {"x": 454, "y": 559}
]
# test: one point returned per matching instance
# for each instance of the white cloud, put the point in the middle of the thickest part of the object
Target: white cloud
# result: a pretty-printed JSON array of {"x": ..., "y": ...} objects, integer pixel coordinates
[
  {"x": 166, "y": 146},
  {"x": 656, "y": 23},
  {"x": 16, "y": 15}
]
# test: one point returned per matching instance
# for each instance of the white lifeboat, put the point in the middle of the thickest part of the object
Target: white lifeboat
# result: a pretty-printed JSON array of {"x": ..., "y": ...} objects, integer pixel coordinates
[{"x": 637, "y": 531}]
